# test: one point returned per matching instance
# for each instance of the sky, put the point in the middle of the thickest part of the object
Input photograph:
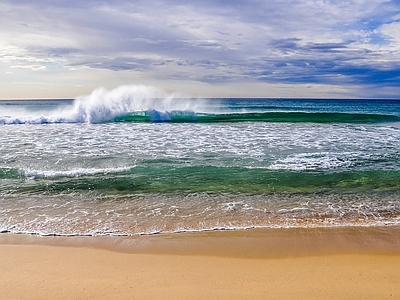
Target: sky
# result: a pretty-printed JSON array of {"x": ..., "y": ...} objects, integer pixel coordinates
[{"x": 218, "y": 48}]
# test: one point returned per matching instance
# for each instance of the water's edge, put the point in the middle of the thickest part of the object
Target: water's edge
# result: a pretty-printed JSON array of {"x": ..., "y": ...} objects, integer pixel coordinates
[{"x": 252, "y": 243}]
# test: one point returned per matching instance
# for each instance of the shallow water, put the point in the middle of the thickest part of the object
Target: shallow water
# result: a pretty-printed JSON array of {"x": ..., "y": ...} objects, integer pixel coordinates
[{"x": 84, "y": 168}]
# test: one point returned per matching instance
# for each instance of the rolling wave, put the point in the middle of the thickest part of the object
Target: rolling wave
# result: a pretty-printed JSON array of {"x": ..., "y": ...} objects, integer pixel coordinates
[
  {"x": 177, "y": 116},
  {"x": 293, "y": 117},
  {"x": 195, "y": 179},
  {"x": 147, "y": 104}
]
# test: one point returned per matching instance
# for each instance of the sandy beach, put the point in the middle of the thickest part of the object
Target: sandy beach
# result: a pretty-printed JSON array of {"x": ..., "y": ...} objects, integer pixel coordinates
[{"x": 347, "y": 263}]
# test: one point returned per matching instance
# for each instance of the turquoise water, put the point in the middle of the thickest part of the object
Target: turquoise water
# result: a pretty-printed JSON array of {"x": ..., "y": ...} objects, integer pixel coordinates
[{"x": 130, "y": 163}]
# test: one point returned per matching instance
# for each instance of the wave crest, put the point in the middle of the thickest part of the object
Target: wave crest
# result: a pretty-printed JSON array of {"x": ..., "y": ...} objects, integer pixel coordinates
[{"x": 103, "y": 105}]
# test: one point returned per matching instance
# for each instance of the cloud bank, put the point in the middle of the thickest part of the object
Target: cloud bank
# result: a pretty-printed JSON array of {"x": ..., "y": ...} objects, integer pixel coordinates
[{"x": 274, "y": 48}]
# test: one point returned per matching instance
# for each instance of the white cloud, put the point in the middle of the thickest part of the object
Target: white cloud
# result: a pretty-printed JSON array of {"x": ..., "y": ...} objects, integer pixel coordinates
[
  {"x": 31, "y": 67},
  {"x": 392, "y": 31}
]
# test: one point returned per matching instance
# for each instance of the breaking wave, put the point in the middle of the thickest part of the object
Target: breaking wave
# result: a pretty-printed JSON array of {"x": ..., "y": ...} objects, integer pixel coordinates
[
  {"x": 100, "y": 106},
  {"x": 141, "y": 104},
  {"x": 292, "y": 117}
]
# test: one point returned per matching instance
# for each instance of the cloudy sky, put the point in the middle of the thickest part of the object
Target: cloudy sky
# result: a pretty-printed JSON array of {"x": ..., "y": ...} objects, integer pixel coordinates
[{"x": 218, "y": 48}]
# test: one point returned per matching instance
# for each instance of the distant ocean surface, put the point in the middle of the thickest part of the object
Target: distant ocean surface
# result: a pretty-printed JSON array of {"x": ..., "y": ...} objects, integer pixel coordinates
[{"x": 132, "y": 161}]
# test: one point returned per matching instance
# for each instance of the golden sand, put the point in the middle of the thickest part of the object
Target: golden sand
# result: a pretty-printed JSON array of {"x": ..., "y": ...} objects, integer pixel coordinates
[{"x": 352, "y": 263}]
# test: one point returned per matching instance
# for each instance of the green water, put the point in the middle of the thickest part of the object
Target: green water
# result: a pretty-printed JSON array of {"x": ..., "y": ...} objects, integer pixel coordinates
[
  {"x": 209, "y": 179},
  {"x": 126, "y": 167},
  {"x": 293, "y": 117}
]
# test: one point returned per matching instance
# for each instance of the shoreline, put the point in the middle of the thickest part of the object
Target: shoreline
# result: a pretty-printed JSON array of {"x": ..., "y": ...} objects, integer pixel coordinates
[
  {"x": 243, "y": 243},
  {"x": 317, "y": 263}
]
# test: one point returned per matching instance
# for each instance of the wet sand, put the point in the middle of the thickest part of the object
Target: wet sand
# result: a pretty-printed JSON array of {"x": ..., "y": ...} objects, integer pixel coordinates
[{"x": 342, "y": 263}]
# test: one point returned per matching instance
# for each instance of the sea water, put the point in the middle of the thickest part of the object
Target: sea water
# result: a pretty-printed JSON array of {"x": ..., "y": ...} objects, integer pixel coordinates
[{"x": 137, "y": 160}]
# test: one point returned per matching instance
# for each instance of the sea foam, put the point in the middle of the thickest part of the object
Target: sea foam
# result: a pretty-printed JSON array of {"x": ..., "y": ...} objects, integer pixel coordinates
[
  {"x": 103, "y": 105},
  {"x": 35, "y": 174}
]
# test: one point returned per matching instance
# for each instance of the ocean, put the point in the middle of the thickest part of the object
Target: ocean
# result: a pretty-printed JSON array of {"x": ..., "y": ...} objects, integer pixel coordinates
[{"x": 136, "y": 160}]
